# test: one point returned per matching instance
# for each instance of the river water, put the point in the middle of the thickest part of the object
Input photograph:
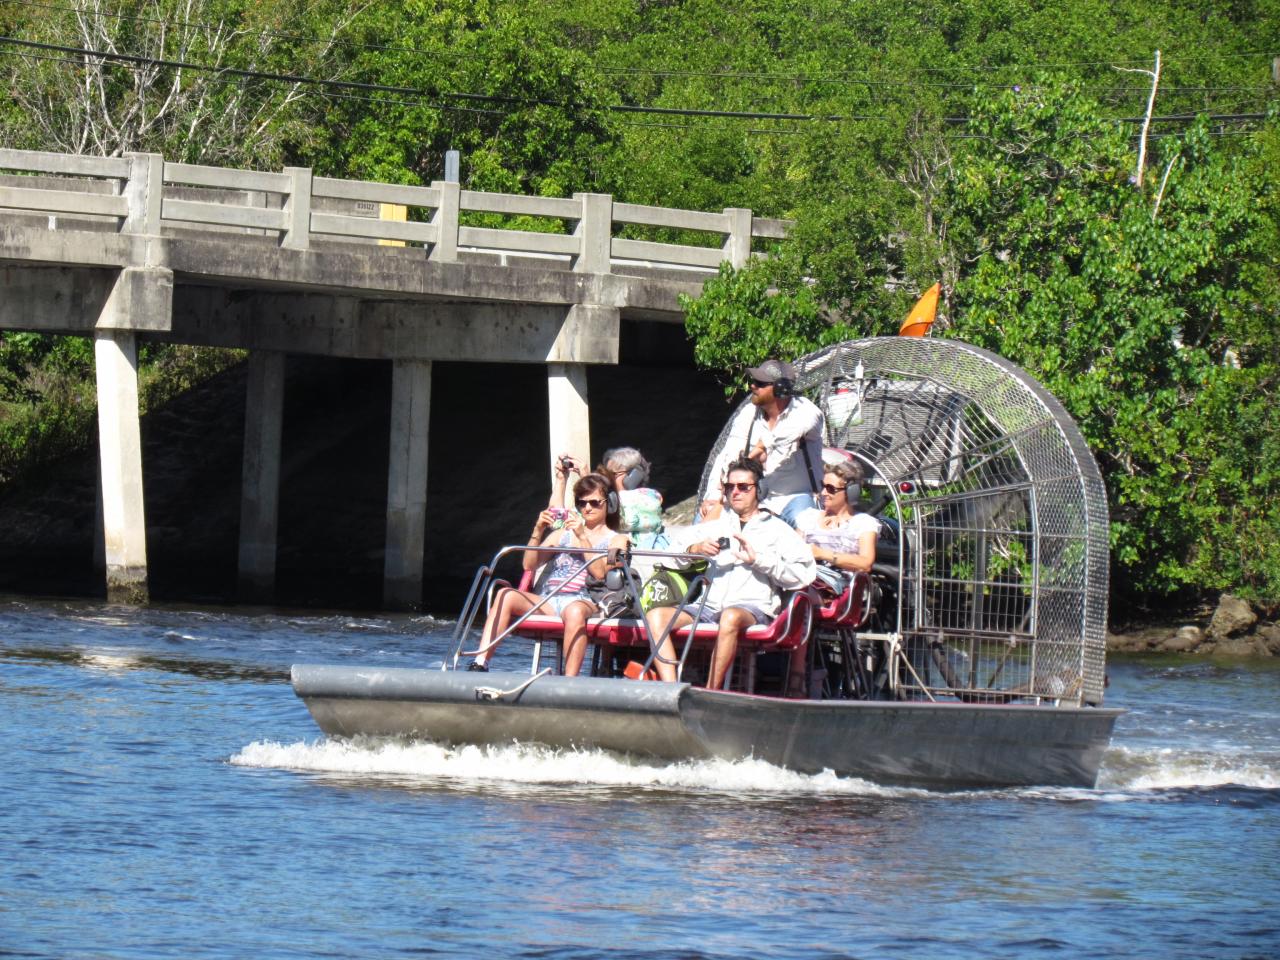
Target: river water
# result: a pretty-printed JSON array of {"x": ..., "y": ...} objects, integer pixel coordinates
[{"x": 166, "y": 795}]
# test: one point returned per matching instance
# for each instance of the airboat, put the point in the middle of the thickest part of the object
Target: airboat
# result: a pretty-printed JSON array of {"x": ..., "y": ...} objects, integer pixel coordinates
[{"x": 972, "y": 655}]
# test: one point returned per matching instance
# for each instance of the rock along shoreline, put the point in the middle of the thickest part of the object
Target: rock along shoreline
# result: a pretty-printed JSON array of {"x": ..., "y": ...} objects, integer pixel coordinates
[{"x": 1235, "y": 630}]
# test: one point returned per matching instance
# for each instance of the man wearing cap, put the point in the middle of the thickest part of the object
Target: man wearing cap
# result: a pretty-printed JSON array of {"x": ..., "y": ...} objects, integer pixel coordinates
[{"x": 783, "y": 433}]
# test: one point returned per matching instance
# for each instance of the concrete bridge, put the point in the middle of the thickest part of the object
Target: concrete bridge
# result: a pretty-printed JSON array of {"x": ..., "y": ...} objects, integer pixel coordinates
[{"x": 122, "y": 248}]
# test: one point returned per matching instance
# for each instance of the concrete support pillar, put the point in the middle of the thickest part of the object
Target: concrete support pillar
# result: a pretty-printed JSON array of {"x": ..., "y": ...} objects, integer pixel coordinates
[
  {"x": 407, "y": 484},
  {"x": 260, "y": 475},
  {"x": 568, "y": 412},
  {"x": 120, "y": 457}
]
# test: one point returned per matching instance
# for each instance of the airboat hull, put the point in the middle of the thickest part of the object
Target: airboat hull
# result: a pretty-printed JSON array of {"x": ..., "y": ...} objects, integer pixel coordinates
[{"x": 948, "y": 745}]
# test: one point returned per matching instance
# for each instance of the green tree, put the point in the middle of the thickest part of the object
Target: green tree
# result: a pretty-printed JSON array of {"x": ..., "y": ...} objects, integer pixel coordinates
[
  {"x": 739, "y": 321},
  {"x": 526, "y": 111},
  {"x": 1147, "y": 308}
]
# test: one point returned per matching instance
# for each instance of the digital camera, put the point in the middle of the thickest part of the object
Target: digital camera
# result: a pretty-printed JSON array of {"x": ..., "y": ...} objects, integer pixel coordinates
[{"x": 558, "y": 516}]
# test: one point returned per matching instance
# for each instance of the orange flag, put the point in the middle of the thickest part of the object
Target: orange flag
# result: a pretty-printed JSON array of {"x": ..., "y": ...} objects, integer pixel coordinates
[{"x": 921, "y": 316}]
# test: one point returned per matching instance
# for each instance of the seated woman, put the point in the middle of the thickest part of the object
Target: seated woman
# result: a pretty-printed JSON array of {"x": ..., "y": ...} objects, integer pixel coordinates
[
  {"x": 594, "y": 525},
  {"x": 628, "y": 471},
  {"x": 840, "y": 534}
]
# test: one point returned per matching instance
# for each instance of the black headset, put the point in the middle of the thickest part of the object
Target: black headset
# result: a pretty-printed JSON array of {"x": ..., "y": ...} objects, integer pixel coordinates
[
  {"x": 633, "y": 479},
  {"x": 611, "y": 502},
  {"x": 784, "y": 387}
]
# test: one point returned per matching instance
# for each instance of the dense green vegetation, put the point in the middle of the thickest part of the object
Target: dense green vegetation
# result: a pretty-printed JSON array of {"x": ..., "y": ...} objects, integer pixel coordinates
[{"x": 988, "y": 145}]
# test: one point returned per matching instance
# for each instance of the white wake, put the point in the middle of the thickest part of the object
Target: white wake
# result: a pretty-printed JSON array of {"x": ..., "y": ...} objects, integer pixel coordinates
[
  {"x": 526, "y": 764},
  {"x": 1127, "y": 773},
  {"x": 1177, "y": 768}
]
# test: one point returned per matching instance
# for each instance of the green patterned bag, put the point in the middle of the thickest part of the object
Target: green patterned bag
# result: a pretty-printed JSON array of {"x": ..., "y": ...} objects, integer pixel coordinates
[{"x": 666, "y": 587}]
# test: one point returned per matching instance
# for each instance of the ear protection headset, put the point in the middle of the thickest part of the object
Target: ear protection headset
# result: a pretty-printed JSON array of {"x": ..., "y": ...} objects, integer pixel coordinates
[
  {"x": 611, "y": 502},
  {"x": 784, "y": 387},
  {"x": 633, "y": 478}
]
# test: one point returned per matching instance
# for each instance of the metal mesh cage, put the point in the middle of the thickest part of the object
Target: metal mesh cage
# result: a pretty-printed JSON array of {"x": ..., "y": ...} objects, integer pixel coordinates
[{"x": 1002, "y": 510}]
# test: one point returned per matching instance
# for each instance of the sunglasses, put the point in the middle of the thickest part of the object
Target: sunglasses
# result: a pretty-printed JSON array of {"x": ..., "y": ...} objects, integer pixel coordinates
[
  {"x": 739, "y": 487},
  {"x": 761, "y": 384},
  {"x": 593, "y": 504},
  {"x": 828, "y": 488}
]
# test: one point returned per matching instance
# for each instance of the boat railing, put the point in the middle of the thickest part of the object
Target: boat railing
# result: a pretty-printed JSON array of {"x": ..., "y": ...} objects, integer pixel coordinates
[
  {"x": 485, "y": 584},
  {"x": 697, "y": 589}
]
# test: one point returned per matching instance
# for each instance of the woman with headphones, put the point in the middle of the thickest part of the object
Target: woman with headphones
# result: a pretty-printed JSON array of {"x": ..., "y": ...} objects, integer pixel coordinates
[
  {"x": 841, "y": 535},
  {"x": 628, "y": 471},
  {"x": 593, "y": 525}
]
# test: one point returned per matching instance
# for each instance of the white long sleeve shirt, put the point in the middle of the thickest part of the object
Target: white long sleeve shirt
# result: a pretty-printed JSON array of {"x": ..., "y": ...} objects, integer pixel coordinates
[
  {"x": 783, "y": 561},
  {"x": 786, "y": 472}
]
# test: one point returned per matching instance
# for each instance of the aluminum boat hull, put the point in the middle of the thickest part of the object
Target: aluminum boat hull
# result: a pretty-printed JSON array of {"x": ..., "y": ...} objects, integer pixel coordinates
[{"x": 949, "y": 745}]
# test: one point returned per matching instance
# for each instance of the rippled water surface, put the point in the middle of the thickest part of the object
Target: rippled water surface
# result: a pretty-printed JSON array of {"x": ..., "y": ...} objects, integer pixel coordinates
[{"x": 166, "y": 795}]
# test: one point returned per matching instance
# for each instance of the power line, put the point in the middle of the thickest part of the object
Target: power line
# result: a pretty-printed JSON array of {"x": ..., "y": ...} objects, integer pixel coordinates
[
  {"x": 750, "y": 131},
  {"x": 330, "y": 95},
  {"x": 422, "y": 95},
  {"x": 860, "y": 81}
]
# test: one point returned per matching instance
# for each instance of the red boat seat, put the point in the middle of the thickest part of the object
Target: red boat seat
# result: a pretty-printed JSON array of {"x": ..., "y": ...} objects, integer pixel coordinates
[
  {"x": 788, "y": 630},
  {"x": 851, "y": 608},
  {"x": 615, "y": 631}
]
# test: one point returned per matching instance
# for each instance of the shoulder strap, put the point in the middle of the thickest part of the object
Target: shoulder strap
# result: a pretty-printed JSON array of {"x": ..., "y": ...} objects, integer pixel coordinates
[
  {"x": 808, "y": 464},
  {"x": 751, "y": 426}
]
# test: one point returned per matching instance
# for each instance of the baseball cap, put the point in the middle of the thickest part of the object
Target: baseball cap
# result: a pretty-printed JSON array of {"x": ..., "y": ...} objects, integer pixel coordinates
[{"x": 771, "y": 371}]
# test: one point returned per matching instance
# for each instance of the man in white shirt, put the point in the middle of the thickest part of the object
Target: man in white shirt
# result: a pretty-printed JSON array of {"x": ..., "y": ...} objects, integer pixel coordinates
[
  {"x": 754, "y": 556},
  {"x": 782, "y": 432}
]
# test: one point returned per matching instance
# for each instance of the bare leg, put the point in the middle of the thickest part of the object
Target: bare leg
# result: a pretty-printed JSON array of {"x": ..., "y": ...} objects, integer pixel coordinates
[
  {"x": 733, "y": 620},
  {"x": 658, "y": 618},
  {"x": 796, "y": 671},
  {"x": 575, "y": 635},
  {"x": 507, "y": 605}
]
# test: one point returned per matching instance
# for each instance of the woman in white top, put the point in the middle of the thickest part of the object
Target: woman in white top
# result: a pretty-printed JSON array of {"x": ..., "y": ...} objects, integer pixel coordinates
[{"x": 840, "y": 535}]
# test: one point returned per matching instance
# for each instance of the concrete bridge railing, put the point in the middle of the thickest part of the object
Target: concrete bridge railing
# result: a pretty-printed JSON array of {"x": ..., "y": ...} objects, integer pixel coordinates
[{"x": 142, "y": 193}]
